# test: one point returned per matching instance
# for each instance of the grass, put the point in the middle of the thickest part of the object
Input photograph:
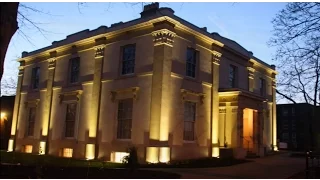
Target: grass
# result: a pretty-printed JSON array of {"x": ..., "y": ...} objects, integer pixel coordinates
[
  {"x": 198, "y": 163},
  {"x": 46, "y": 160},
  {"x": 22, "y": 172},
  {"x": 45, "y": 166}
]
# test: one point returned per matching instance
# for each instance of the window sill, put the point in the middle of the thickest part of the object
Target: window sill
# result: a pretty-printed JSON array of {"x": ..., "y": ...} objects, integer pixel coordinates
[
  {"x": 69, "y": 138},
  {"x": 191, "y": 79},
  {"x": 123, "y": 139},
  {"x": 189, "y": 142},
  {"x": 125, "y": 76}
]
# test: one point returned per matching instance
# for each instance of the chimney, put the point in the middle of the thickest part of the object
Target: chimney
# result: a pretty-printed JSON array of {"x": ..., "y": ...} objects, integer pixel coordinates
[
  {"x": 204, "y": 28},
  {"x": 149, "y": 9},
  {"x": 24, "y": 54}
]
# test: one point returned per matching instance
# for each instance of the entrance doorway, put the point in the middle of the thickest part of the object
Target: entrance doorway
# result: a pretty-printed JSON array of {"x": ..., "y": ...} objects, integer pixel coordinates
[{"x": 248, "y": 129}]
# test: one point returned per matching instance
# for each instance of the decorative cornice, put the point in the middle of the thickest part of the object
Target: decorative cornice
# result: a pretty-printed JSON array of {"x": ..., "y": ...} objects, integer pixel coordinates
[
  {"x": 163, "y": 37},
  {"x": 134, "y": 90},
  {"x": 99, "y": 51},
  {"x": 75, "y": 96},
  {"x": 52, "y": 63},
  {"x": 274, "y": 84},
  {"x": 251, "y": 72},
  {"x": 216, "y": 54},
  {"x": 32, "y": 103},
  {"x": 21, "y": 70},
  {"x": 222, "y": 110},
  {"x": 184, "y": 93},
  {"x": 216, "y": 57}
]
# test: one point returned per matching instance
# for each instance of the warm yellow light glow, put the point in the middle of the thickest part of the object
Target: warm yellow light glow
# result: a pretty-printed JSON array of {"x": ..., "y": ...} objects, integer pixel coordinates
[
  {"x": 152, "y": 154},
  {"x": 90, "y": 148},
  {"x": 67, "y": 152},
  {"x": 247, "y": 128},
  {"x": 42, "y": 147},
  {"x": 118, "y": 156},
  {"x": 229, "y": 93},
  {"x": 215, "y": 152},
  {"x": 164, "y": 154},
  {"x": 3, "y": 115},
  {"x": 28, "y": 149},
  {"x": 164, "y": 128},
  {"x": 10, "y": 145}
]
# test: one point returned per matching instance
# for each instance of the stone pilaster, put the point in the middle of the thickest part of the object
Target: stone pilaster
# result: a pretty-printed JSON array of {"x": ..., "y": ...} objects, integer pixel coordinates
[
  {"x": 160, "y": 96},
  {"x": 48, "y": 102},
  {"x": 216, "y": 56},
  {"x": 163, "y": 42},
  {"x": 96, "y": 95},
  {"x": 14, "y": 126},
  {"x": 274, "y": 114},
  {"x": 251, "y": 71}
]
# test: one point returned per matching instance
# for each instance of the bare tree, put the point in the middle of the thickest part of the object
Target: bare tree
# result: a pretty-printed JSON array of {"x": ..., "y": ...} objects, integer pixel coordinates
[
  {"x": 297, "y": 38},
  {"x": 8, "y": 26}
]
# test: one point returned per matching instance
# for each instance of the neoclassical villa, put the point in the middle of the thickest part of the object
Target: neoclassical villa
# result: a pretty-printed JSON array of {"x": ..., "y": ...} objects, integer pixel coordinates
[{"x": 159, "y": 83}]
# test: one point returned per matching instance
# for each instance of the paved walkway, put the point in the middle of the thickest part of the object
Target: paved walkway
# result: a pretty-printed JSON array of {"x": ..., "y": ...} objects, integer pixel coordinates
[{"x": 279, "y": 166}]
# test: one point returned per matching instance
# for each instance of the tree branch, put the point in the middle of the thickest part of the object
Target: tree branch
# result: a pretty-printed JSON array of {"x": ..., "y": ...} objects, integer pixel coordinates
[{"x": 287, "y": 97}]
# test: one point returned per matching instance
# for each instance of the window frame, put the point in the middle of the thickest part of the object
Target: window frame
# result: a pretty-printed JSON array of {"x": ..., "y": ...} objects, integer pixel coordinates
[
  {"x": 192, "y": 122},
  {"x": 193, "y": 64},
  {"x": 262, "y": 86},
  {"x": 232, "y": 82},
  {"x": 122, "y": 60},
  {"x": 31, "y": 121},
  {"x": 67, "y": 121},
  {"x": 73, "y": 73},
  {"x": 35, "y": 80},
  {"x": 123, "y": 132}
]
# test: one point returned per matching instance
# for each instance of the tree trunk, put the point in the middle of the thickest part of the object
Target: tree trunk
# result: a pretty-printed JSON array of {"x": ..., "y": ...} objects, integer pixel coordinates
[{"x": 8, "y": 26}]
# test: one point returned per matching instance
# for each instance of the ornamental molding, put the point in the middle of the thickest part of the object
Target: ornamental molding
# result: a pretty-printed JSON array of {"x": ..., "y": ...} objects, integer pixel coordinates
[
  {"x": 52, "y": 63},
  {"x": 163, "y": 37},
  {"x": 73, "y": 96},
  {"x": 251, "y": 72},
  {"x": 133, "y": 90},
  {"x": 99, "y": 50},
  {"x": 185, "y": 92},
  {"x": 32, "y": 103}
]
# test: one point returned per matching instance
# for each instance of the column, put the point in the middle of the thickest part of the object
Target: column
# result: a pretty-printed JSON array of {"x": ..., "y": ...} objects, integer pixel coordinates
[
  {"x": 92, "y": 149},
  {"x": 44, "y": 143},
  {"x": 215, "y": 103},
  {"x": 160, "y": 95},
  {"x": 13, "y": 139},
  {"x": 274, "y": 114},
  {"x": 251, "y": 71}
]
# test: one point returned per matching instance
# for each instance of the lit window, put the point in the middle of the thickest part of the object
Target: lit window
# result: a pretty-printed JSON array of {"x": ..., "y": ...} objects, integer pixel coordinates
[
  {"x": 118, "y": 156},
  {"x": 128, "y": 59},
  {"x": 70, "y": 119},
  {"x": 232, "y": 76},
  {"x": 35, "y": 77},
  {"x": 124, "y": 119},
  {"x": 74, "y": 69},
  {"x": 31, "y": 121},
  {"x": 28, "y": 149},
  {"x": 189, "y": 120},
  {"x": 191, "y": 62},
  {"x": 67, "y": 152}
]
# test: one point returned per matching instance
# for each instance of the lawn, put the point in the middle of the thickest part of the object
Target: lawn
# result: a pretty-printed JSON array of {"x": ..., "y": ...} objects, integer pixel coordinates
[
  {"x": 22, "y": 165},
  {"x": 198, "y": 163},
  {"x": 46, "y": 160}
]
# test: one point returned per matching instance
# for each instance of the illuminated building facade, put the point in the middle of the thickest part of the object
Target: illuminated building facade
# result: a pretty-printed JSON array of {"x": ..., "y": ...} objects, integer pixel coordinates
[{"x": 173, "y": 90}]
